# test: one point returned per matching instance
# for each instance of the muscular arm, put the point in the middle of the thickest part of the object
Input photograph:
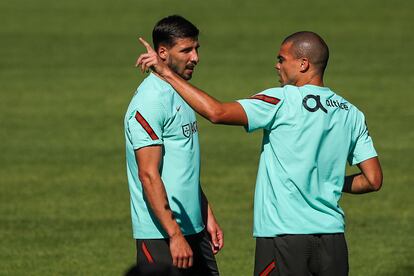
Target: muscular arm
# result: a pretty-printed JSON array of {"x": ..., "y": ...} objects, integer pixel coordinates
[
  {"x": 207, "y": 106},
  {"x": 368, "y": 180},
  {"x": 148, "y": 159}
]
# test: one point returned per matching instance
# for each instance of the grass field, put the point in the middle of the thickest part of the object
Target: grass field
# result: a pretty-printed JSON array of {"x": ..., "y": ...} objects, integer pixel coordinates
[{"x": 66, "y": 77}]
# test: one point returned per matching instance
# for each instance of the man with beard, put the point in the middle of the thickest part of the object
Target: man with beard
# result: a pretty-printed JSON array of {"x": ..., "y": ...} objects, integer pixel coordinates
[{"x": 173, "y": 224}]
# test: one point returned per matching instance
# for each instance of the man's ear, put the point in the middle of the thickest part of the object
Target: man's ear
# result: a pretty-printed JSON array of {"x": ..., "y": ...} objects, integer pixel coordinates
[
  {"x": 304, "y": 65},
  {"x": 162, "y": 52}
]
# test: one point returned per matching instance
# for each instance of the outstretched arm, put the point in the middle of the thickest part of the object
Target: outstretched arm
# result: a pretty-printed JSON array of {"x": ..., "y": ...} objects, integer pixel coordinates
[
  {"x": 369, "y": 180},
  {"x": 204, "y": 104}
]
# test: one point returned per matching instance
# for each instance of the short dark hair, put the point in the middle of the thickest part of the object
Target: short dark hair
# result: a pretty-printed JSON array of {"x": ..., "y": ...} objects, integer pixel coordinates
[
  {"x": 309, "y": 45},
  {"x": 168, "y": 29}
]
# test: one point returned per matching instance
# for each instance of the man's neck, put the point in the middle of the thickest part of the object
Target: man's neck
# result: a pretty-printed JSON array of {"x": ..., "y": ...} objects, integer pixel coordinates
[{"x": 316, "y": 80}]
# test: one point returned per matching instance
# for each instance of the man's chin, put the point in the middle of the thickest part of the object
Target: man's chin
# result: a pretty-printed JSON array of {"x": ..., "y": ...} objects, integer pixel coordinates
[{"x": 186, "y": 76}]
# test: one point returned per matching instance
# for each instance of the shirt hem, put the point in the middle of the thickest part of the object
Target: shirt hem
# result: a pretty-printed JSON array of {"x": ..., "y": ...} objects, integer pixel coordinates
[{"x": 143, "y": 236}]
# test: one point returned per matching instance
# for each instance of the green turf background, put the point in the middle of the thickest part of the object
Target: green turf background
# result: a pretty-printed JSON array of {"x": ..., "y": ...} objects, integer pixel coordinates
[{"x": 66, "y": 77}]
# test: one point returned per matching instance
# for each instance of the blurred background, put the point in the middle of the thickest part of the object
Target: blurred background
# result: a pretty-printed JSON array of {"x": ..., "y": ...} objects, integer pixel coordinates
[{"x": 66, "y": 78}]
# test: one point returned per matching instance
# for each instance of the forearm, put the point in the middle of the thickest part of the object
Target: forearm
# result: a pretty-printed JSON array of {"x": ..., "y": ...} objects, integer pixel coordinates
[
  {"x": 358, "y": 184},
  {"x": 213, "y": 228},
  {"x": 156, "y": 195},
  {"x": 206, "y": 210},
  {"x": 204, "y": 104}
]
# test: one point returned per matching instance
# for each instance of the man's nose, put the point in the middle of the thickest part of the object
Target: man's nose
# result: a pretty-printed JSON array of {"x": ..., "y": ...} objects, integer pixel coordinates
[
  {"x": 277, "y": 66},
  {"x": 194, "y": 57}
]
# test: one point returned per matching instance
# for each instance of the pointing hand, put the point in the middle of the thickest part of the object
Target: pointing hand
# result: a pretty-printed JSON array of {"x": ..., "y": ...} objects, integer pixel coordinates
[{"x": 150, "y": 60}]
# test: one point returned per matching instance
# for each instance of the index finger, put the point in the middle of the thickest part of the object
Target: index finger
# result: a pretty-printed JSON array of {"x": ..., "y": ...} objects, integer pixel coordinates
[{"x": 146, "y": 45}]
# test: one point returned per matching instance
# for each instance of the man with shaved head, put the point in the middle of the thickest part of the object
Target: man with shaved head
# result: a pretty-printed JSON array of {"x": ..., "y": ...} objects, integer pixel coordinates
[
  {"x": 309, "y": 133},
  {"x": 302, "y": 45}
]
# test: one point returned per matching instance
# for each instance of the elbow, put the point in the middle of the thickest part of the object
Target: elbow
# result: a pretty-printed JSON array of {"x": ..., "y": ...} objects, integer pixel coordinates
[
  {"x": 143, "y": 177},
  {"x": 376, "y": 186},
  {"x": 376, "y": 182},
  {"x": 216, "y": 115},
  {"x": 146, "y": 177},
  {"x": 214, "y": 119}
]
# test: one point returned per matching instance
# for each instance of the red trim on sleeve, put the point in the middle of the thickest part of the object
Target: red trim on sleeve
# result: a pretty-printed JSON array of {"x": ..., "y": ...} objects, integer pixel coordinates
[
  {"x": 146, "y": 126},
  {"x": 147, "y": 253},
  {"x": 268, "y": 269},
  {"x": 265, "y": 98}
]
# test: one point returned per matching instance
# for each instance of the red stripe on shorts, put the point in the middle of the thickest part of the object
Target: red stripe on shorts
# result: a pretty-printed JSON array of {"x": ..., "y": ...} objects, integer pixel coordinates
[
  {"x": 146, "y": 126},
  {"x": 268, "y": 269},
  {"x": 147, "y": 253},
  {"x": 265, "y": 98}
]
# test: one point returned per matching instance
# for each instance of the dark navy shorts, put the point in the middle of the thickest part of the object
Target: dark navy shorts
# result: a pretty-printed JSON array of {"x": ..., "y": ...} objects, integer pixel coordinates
[
  {"x": 154, "y": 257},
  {"x": 302, "y": 255}
]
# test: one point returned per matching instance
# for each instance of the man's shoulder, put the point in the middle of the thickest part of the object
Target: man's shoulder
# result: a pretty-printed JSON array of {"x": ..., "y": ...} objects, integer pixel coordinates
[
  {"x": 152, "y": 90},
  {"x": 272, "y": 91},
  {"x": 354, "y": 114},
  {"x": 151, "y": 94},
  {"x": 153, "y": 87},
  {"x": 286, "y": 91},
  {"x": 270, "y": 95},
  {"x": 350, "y": 106}
]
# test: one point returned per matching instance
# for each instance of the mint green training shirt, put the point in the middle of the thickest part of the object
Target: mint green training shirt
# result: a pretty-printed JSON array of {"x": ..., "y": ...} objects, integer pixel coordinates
[
  {"x": 157, "y": 115},
  {"x": 309, "y": 133}
]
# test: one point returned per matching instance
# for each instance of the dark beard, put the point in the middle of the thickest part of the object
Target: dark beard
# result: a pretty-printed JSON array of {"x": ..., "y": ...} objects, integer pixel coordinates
[{"x": 175, "y": 69}]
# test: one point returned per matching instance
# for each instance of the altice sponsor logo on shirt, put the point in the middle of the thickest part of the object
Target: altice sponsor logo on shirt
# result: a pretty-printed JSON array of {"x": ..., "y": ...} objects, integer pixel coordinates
[
  {"x": 312, "y": 103},
  {"x": 336, "y": 103}
]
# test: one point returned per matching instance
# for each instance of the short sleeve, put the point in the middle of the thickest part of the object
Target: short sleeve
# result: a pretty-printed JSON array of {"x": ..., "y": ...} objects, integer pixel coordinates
[
  {"x": 262, "y": 108},
  {"x": 146, "y": 124},
  {"x": 363, "y": 147}
]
